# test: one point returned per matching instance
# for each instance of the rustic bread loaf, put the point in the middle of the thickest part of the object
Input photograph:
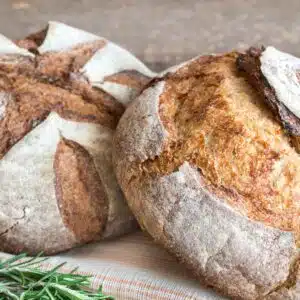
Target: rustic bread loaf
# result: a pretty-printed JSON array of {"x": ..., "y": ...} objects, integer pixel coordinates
[
  {"x": 210, "y": 172},
  {"x": 62, "y": 92}
]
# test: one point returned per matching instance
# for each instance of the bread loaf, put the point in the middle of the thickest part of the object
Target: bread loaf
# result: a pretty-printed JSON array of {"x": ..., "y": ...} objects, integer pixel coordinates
[
  {"x": 206, "y": 159},
  {"x": 62, "y": 91}
]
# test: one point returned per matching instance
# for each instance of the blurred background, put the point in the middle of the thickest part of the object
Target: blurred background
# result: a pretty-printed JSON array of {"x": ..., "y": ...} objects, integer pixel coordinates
[{"x": 165, "y": 32}]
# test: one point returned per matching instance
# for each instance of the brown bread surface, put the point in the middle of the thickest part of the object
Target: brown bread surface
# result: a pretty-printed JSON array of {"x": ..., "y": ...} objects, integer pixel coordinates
[
  {"x": 213, "y": 177},
  {"x": 58, "y": 186}
]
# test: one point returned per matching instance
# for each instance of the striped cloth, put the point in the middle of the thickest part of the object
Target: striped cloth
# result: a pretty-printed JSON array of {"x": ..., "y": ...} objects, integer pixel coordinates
[{"x": 134, "y": 268}]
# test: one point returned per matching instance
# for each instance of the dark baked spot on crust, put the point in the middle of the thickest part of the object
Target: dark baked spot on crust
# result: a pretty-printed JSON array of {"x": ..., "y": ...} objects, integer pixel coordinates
[
  {"x": 218, "y": 123},
  {"x": 79, "y": 190},
  {"x": 250, "y": 64}
]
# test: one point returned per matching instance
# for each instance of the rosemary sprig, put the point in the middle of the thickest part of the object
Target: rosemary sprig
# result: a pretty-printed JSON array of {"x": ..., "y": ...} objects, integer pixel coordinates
[{"x": 21, "y": 279}]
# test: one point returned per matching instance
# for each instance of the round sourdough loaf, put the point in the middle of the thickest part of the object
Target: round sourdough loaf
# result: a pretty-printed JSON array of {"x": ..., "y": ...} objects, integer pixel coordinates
[
  {"x": 206, "y": 159},
  {"x": 62, "y": 92}
]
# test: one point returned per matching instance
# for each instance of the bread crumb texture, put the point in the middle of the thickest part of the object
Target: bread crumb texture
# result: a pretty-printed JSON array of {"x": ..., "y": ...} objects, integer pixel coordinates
[{"x": 218, "y": 123}]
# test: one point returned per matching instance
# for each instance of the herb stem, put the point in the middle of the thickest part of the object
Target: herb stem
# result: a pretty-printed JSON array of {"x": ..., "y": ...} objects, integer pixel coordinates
[{"x": 22, "y": 279}]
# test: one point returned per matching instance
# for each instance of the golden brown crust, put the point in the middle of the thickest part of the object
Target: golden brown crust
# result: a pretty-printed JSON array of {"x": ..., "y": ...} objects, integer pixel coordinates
[
  {"x": 61, "y": 64},
  {"x": 205, "y": 167},
  {"x": 40, "y": 86},
  {"x": 80, "y": 193},
  {"x": 250, "y": 64},
  {"x": 131, "y": 78},
  {"x": 218, "y": 123},
  {"x": 60, "y": 101}
]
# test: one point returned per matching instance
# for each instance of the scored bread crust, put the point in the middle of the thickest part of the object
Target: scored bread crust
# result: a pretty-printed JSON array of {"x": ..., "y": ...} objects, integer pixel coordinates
[
  {"x": 255, "y": 62},
  {"x": 250, "y": 63},
  {"x": 241, "y": 257},
  {"x": 63, "y": 91}
]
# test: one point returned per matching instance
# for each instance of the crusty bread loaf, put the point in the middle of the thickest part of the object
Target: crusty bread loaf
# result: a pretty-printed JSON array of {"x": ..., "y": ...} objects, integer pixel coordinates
[
  {"x": 62, "y": 92},
  {"x": 210, "y": 172}
]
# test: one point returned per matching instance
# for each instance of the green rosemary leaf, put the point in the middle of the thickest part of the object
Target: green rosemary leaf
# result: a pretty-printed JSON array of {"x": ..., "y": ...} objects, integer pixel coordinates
[
  {"x": 19, "y": 280},
  {"x": 5, "y": 273},
  {"x": 11, "y": 260},
  {"x": 74, "y": 270},
  {"x": 28, "y": 261},
  {"x": 48, "y": 275},
  {"x": 51, "y": 297},
  {"x": 9, "y": 294}
]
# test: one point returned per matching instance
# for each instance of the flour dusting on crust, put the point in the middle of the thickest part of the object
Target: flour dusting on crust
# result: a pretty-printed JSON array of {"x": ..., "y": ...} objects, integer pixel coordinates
[
  {"x": 33, "y": 133},
  {"x": 9, "y": 47},
  {"x": 61, "y": 37},
  {"x": 4, "y": 100},
  {"x": 282, "y": 71}
]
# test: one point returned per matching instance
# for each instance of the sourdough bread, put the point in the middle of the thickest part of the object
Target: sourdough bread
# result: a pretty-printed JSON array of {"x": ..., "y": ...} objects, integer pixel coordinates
[
  {"x": 210, "y": 172},
  {"x": 62, "y": 92}
]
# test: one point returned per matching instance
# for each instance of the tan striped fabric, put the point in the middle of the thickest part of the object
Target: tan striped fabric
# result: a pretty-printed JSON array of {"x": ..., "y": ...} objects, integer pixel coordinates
[{"x": 134, "y": 268}]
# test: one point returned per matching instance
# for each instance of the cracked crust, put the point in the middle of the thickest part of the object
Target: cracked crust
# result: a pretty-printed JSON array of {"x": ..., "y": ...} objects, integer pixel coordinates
[
  {"x": 221, "y": 215},
  {"x": 251, "y": 64},
  {"x": 58, "y": 188},
  {"x": 258, "y": 65}
]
